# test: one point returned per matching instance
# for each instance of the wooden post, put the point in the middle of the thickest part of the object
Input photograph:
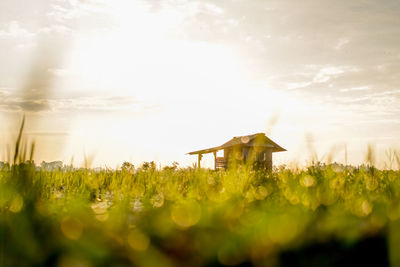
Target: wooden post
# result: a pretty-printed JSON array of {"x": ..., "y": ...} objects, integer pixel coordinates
[
  {"x": 215, "y": 160},
  {"x": 200, "y": 156}
]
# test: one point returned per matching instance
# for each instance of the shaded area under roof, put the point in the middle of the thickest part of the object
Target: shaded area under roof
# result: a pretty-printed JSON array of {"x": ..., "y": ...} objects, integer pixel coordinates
[{"x": 254, "y": 140}]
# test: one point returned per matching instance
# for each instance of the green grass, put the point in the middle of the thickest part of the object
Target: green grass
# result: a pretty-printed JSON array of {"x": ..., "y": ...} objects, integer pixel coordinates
[{"x": 187, "y": 217}]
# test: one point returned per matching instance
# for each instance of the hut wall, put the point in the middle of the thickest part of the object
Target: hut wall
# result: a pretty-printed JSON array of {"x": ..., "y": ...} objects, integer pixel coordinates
[
  {"x": 227, "y": 152},
  {"x": 268, "y": 158},
  {"x": 245, "y": 153},
  {"x": 238, "y": 155}
]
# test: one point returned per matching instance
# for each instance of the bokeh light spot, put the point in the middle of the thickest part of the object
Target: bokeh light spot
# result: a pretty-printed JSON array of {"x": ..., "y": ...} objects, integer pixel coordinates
[
  {"x": 16, "y": 204},
  {"x": 308, "y": 181},
  {"x": 366, "y": 207},
  {"x": 282, "y": 229},
  {"x": 72, "y": 228},
  {"x": 186, "y": 214},
  {"x": 138, "y": 241}
]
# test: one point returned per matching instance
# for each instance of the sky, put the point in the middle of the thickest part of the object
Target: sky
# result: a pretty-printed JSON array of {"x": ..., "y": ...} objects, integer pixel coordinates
[{"x": 136, "y": 81}]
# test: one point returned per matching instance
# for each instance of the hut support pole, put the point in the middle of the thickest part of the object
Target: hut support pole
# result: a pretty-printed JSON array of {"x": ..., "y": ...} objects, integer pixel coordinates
[
  {"x": 198, "y": 164},
  {"x": 215, "y": 160}
]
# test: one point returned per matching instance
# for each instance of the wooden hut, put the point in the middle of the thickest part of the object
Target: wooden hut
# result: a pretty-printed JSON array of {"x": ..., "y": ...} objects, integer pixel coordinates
[{"x": 253, "y": 149}]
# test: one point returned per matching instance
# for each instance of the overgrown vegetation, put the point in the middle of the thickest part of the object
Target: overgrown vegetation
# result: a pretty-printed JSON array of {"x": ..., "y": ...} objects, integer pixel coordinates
[{"x": 187, "y": 217}]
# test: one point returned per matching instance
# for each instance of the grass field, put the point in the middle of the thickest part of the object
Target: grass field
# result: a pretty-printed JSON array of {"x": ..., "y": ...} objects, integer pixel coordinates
[{"x": 189, "y": 217}]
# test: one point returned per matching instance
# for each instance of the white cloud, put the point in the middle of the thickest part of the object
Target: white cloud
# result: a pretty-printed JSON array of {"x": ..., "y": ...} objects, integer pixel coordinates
[
  {"x": 341, "y": 43},
  {"x": 60, "y": 72},
  {"x": 58, "y": 29},
  {"x": 360, "y": 88},
  {"x": 13, "y": 29},
  {"x": 14, "y": 102}
]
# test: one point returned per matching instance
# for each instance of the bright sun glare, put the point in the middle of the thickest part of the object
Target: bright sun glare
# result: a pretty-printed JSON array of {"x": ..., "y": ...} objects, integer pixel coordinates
[{"x": 157, "y": 69}]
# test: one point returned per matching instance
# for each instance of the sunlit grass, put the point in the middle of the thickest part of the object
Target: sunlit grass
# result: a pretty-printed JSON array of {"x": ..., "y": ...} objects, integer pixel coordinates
[{"x": 182, "y": 216}]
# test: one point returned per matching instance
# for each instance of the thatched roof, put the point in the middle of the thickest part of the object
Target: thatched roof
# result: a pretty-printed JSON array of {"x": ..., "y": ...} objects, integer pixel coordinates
[{"x": 254, "y": 140}]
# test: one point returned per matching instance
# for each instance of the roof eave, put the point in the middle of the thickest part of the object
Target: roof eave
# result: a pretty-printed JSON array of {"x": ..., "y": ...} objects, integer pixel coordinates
[{"x": 205, "y": 151}]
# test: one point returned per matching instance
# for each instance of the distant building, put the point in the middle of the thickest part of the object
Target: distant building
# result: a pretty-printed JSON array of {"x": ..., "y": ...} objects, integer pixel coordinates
[
  {"x": 253, "y": 149},
  {"x": 51, "y": 166},
  {"x": 3, "y": 165}
]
